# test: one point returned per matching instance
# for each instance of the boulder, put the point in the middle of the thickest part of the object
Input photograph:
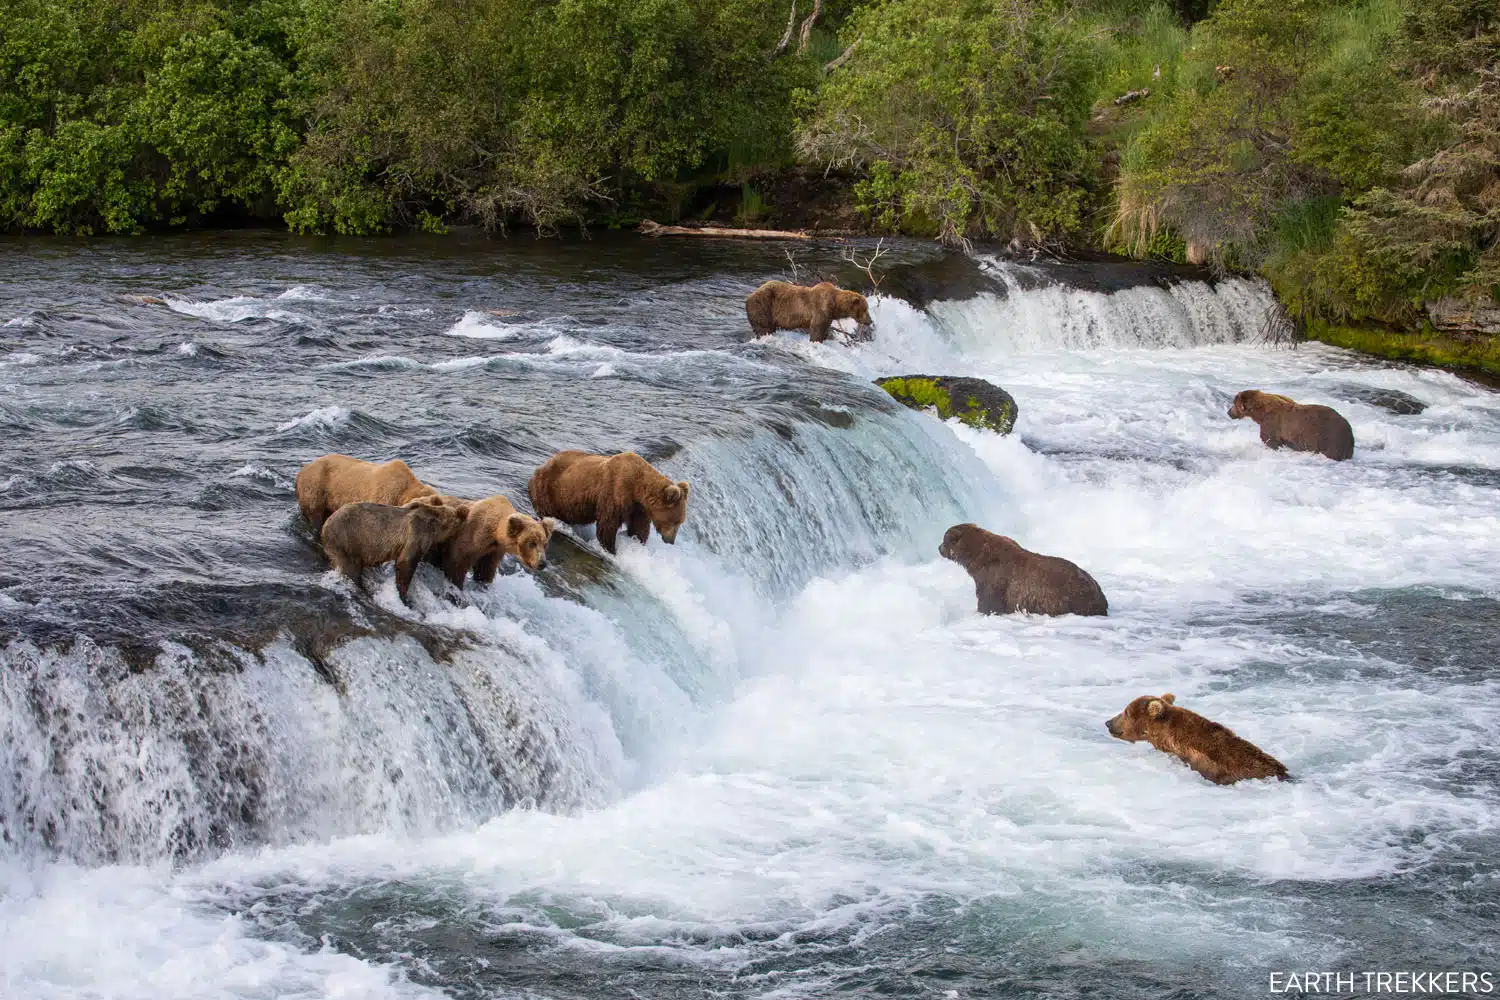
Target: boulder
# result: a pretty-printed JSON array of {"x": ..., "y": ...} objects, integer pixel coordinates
[{"x": 972, "y": 400}]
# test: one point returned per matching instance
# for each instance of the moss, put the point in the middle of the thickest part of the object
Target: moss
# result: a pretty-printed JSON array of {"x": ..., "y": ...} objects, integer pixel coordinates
[
  {"x": 923, "y": 393},
  {"x": 920, "y": 392},
  {"x": 1481, "y": 353}
]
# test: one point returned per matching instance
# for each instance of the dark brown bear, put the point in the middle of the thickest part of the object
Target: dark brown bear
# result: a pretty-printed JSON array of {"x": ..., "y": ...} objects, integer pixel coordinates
[
  {"x": 1008, "y": 578},
  {"x": 1207, "y": 747},
  {"x": 360, "y": 535},
  {"x": 492, "y": 529},
  {"x": 1285, "y": 423},
  {"x": 780, "y": 305},
  {"x": 610, "y": 491},
  {"x": 326, "y": 484}
]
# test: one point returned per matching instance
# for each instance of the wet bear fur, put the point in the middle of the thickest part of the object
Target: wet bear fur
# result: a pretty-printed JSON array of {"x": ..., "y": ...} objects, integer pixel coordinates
[
  {"x": 1285, "y": 423},
  {"x": 780, "y": 305},
  {"x": 328, "y": 483},
  {"x": 609, "y": 491},
  {"x": 1212, "y": 750},
  {"x": 360, "y": 535},
  {"x": 1008, "y": 578},
  {"x": 492, "y": 530}
]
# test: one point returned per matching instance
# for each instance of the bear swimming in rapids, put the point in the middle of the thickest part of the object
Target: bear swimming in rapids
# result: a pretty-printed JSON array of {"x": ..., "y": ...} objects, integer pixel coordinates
[
  {"x": 1008, "y": 578},
  {"x": 610, "y": 491},
  {"x": 1212, "y": 750},
  {"x": 781, "y": 305},
  {"x": 1285, "y": 423}
]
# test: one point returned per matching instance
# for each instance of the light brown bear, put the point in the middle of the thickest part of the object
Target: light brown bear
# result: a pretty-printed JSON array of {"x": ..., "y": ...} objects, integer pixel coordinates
[
  {"x": 493, "y": 529},
  {"x": 1285, "y": 423},
  {"x": 1207, "y": 747},
  {"x": 360, "y": 535},
  {"x": 326, "y": 484},
  {"x": 1008, "y": 578},
  {"x": 610, "y": 491},
  {"x": 780, "y": 305}
]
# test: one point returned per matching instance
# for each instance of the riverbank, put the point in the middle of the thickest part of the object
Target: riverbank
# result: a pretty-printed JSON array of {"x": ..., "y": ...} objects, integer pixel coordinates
[{"x": 1477, "y": 356}]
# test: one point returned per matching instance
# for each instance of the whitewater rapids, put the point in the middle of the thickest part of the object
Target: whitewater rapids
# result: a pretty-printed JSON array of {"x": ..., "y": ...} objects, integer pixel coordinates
[{"x": 785, "y": 757}]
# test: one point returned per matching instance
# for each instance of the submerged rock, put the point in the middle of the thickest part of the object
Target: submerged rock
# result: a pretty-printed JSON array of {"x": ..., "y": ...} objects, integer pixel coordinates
[
  {"x": 1391, "y": 400},
  {"x": 972, "y": 400}
]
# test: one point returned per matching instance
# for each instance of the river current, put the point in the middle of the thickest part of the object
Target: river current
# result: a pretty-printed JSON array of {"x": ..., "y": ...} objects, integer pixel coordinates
[{"x": 782, "y": 758}]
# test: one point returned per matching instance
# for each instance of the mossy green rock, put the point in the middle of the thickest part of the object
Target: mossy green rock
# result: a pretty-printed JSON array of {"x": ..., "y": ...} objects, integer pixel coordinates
[{"x": 972, "y": 400}]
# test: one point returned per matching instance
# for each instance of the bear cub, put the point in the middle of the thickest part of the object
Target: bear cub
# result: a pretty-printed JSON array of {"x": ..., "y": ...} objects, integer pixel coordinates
[
  {"x": 492, "y": 530},
  {"x": 1212, "y": 750},
  {"x": 610, "y": 491},
  {"x": 1008, "y": 578},
  {"x": 360, "y": 535}
]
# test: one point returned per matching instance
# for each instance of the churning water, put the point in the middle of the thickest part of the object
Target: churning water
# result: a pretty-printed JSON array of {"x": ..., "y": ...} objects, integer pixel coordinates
[{"x": 783, "y": 758}]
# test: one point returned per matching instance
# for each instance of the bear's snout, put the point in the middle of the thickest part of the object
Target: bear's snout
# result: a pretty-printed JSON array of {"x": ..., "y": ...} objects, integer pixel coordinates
[
  {"x": 541, "y": 563},
  {"x": 1113, "y": 725},
  {"x": 669, "y": 535}
]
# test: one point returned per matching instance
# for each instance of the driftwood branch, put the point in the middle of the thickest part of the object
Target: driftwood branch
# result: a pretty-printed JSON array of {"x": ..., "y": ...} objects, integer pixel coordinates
[
  {"x": 807, "y": 26},
  {"x": 786, "y": 38},
  {"x": 866, "y": 265},
  {"x": 649, "y": 228},
  {"x": 842, "y": 58}
]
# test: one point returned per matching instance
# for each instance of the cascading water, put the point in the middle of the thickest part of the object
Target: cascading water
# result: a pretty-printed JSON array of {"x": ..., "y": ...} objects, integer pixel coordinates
[{"x": 781, "y": 758}]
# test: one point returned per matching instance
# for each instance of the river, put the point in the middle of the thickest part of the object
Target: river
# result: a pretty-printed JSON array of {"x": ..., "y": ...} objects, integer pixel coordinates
[{"x": 782, "y": 758}]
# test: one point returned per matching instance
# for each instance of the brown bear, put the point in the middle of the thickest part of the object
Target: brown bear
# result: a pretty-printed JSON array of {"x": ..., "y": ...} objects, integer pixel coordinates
[
  {"x": 362, "y": 534},
  {"x": 780, "y": 305},
  {"x": 1207, "y": 747},
  {"x": 1285, "y": 423},
  {"x": 492, "y": 529},
  {"x": 326, "y": 484},
  {"x": 1008, "y": 578},
  {"x": 614, "y": 490}
]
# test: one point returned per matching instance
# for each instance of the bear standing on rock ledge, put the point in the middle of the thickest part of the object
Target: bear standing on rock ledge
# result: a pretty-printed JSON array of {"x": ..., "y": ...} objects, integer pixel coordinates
[
  {"x": 1008, "y": 578},
  {"x": 610, "y": 491},
  {"x": 1207, "y": 747},
  {"x": 1285, "y": 423},
  {"x": 781, "y": 305}
]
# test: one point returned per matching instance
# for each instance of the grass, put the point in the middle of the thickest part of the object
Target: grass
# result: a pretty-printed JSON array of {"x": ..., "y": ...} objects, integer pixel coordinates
[{"x": 1482, "y": 354}]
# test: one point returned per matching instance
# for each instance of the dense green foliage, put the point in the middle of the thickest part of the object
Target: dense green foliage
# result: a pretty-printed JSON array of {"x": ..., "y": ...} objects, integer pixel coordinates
[{"x": 1347, "y": 149}]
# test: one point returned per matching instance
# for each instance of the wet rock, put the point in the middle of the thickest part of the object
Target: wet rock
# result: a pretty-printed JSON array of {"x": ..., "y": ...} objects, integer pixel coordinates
[
  {"x": 1391, "y": 400},
  {"x": 972, "y": 400}
]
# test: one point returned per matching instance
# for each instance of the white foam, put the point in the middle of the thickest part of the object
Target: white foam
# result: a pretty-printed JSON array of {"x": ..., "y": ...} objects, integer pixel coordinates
[
  {"x": 482, "y": 326},
  {"x": 235, "y": 309},
  {"x": 305, "y": 293},
  {"x": 326, "y": 417},
  {"x": 19, "y": 359},
  {"x": 128, "y": 933}
]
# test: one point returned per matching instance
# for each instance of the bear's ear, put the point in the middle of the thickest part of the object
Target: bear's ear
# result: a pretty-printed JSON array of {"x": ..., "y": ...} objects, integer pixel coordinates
[
  {"x": 462, "y": 510},
  {"x": 683, "y": 486},
  {"x": 1170, "y": 699},
  {"x": 549, "y": 524},
  {"x": 674, "y": 493},
  {"x": 1155, "y": 707},
  {"x": 514, "y": 525}
]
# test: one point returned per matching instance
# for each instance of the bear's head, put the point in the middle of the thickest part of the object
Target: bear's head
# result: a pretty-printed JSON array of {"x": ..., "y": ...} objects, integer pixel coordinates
[
  {"x": 965, "y": 543},
  {"x": 445, "y": 514},
  {"x": 1132, "y": 723},
  {"x": 1254, "y": 404},
  {"x": 527, "y": 538},
  {"x": 852, "y": 305},
  {"x": 668, "y": 509}
]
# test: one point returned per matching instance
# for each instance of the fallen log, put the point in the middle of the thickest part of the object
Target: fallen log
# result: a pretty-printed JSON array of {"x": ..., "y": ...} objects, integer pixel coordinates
[{"x": 649, "y": 228}]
